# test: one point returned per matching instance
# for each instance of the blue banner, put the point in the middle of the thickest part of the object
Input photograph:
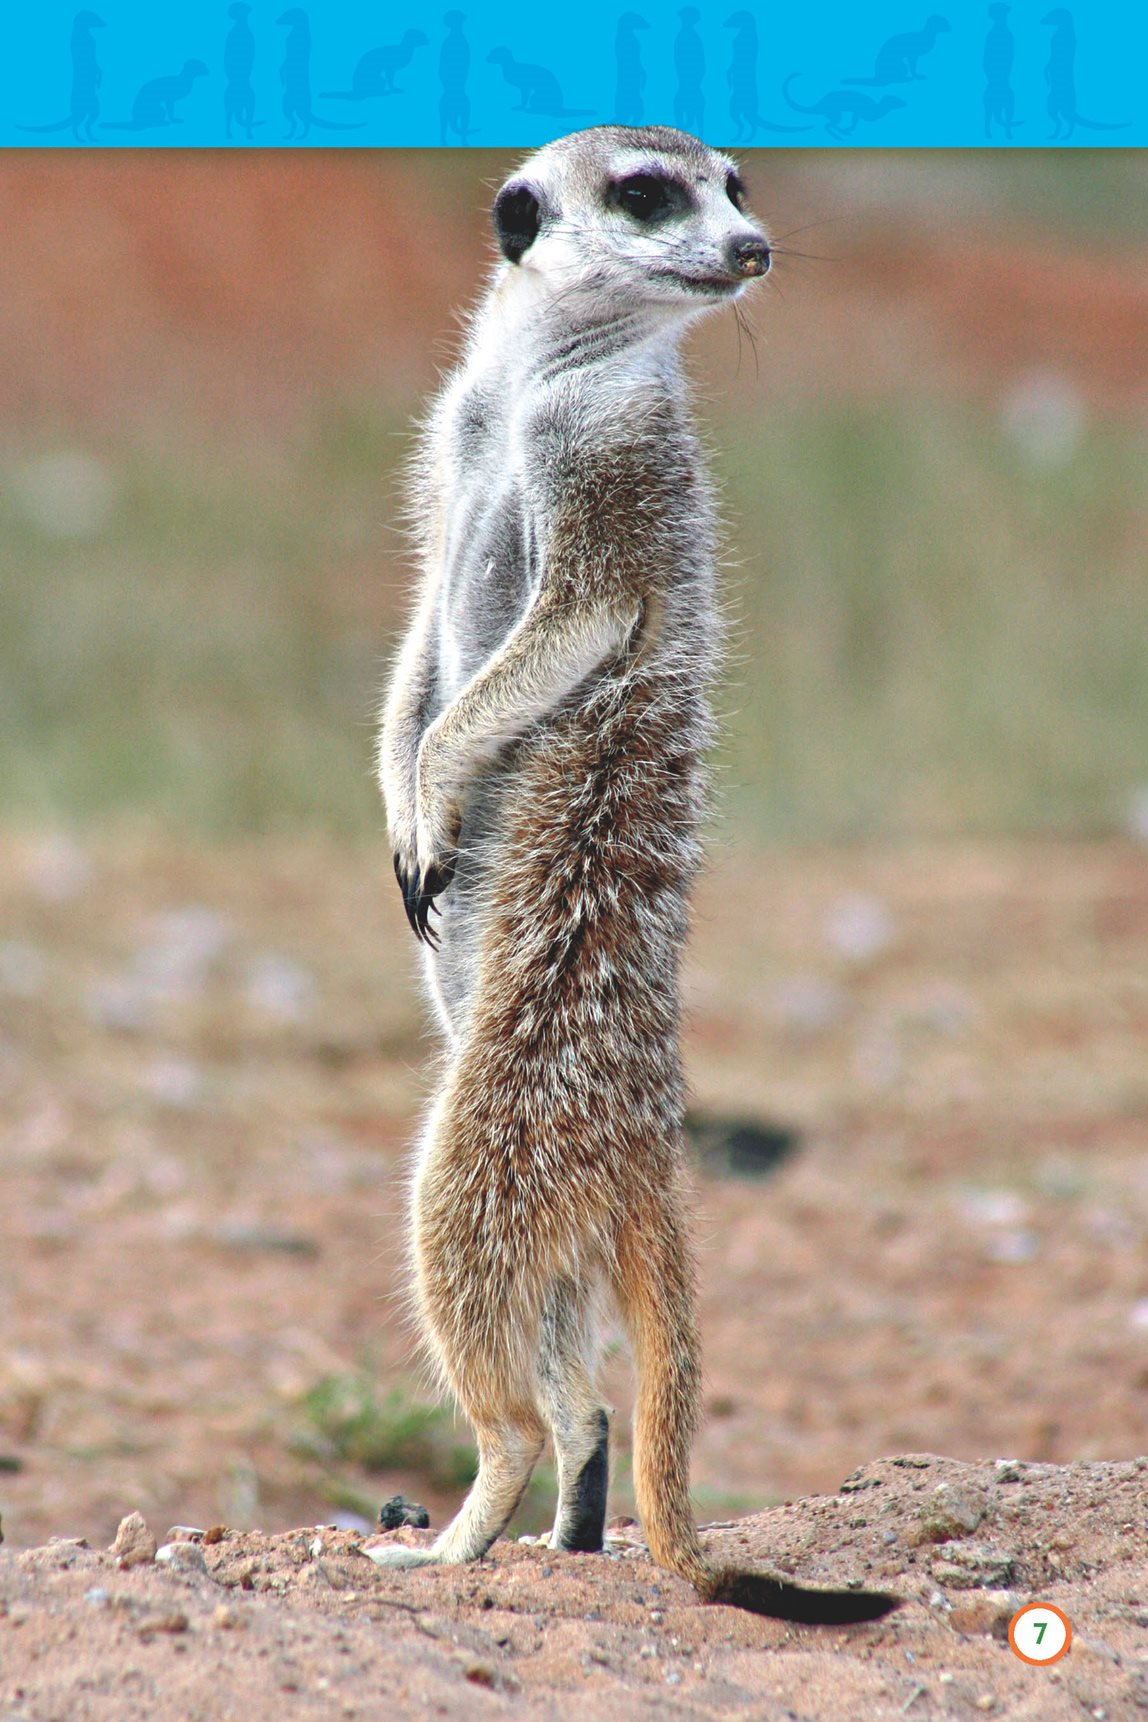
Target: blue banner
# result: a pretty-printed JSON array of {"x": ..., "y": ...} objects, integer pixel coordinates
[{"x": 202, "y": 74}]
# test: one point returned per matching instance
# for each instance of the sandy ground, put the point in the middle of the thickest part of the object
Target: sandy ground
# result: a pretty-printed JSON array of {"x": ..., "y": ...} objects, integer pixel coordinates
[
  {"x": 233, "y": 1624},
  {"x": 210, "y": 1065}
]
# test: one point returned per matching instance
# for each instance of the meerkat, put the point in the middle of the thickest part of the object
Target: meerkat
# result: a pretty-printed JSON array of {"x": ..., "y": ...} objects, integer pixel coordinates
[{"x": 541, "y": 760}]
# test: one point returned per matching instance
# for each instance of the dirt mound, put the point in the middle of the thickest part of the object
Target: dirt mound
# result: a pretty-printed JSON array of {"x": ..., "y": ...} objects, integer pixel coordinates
[{"x": 226, "y": 1623}]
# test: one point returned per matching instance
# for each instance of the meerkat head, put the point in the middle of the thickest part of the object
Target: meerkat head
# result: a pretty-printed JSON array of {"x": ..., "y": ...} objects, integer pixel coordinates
[{"x": 639, "y": 217}]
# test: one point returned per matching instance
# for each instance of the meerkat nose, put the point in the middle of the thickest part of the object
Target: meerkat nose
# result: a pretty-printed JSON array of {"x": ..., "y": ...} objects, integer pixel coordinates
[{"x": 749, "y": 257}]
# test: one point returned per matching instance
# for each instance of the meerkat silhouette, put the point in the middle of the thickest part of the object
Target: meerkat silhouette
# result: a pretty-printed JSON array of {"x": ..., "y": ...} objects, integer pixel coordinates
[
  {"x": 1060, "y": 79},
  {"x": 376, "y": 72},
  {"x": 295, "y": 77},
  {"x": 541, "y": 762},
  {"x": 84, "y": 108},
  {"x": 897, "y": 58},
  {"x": 999, "y": 54},
  {"x": 690, "y": 67},
  {"x": 453, "y": 72},
  {"x": 537, "y": 86},
  {"x": 743, "y": 81},
  {"x": 841, "y": 105},
  {"x": 630, "y": 76},
  {"x": 238, "y": 66},
  {"x": 155, "y": 101}
]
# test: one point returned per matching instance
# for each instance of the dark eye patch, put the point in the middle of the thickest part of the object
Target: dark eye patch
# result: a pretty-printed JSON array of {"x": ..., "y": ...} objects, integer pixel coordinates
[
  {"x": 649, "y": 197},
  {"x": 735, "y": 190}
]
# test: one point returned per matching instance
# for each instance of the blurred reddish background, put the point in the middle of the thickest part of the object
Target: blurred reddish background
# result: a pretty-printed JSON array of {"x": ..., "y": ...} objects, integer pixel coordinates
[{"x": 207, "y": 287}]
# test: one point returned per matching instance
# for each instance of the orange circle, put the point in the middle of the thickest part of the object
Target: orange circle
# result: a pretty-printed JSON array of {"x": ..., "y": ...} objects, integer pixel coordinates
[{"x": 1046, "y": 1608}]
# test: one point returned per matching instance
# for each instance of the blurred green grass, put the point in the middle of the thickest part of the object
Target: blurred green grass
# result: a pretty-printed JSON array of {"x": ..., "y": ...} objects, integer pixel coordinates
[
  {"x": 943, "y": 626},
  {"x": 935, "y": 629}
]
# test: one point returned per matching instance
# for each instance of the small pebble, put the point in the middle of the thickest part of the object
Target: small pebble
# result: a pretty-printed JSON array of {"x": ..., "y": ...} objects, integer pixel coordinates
[
  {"x": 134, "y": 1544},
  {"x": 481, "y": 1674},
  {"x": 172, "y": 1622},
  {"x": 948, "y": 1513},
  {"x": 182, "y": 1557}
]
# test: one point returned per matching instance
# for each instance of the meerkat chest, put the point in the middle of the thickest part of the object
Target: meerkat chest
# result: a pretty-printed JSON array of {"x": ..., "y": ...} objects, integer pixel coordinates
[{"x": 492, "y": 540}]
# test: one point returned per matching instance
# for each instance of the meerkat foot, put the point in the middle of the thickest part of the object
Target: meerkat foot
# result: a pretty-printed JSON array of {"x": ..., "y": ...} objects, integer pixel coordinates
[
  {"x": 397, "y": 1558},
  {"x": 581, "y": 1522}
]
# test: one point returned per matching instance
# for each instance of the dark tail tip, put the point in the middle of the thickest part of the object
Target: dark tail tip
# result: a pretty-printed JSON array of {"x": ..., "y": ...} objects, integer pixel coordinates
[{"x": 760, "y": 1594}]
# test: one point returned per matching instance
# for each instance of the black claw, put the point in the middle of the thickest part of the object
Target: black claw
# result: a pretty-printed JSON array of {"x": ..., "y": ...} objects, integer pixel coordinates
[
  {"x": 410, "y": 890},
  {"x": 439, "y": 876},
  {"x": 419, "y": 891},
  {"x": 426, "y": 931}
]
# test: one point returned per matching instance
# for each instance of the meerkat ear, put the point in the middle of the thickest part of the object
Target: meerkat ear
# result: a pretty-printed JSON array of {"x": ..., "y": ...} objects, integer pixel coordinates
[{"x": 517, "y": 219}]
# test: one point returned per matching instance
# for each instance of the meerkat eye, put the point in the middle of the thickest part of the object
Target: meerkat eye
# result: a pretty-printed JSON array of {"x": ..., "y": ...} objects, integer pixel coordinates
[
  {"x": 648, "y": 197},
  {"x": 735, "y": 190}
]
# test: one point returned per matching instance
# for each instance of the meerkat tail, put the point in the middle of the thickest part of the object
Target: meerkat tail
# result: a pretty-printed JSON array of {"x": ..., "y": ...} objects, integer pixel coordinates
[
  {"x": 654, "y": 1285},
  {"x": 655, "y": 1292}
]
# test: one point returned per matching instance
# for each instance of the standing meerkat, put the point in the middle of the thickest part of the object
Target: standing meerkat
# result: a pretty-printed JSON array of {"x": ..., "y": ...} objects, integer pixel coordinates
[{"x": 541, "y": 761}]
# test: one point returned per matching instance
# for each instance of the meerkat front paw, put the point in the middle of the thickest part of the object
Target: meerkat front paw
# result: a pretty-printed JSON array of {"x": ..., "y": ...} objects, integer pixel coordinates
[
  {"x": 426, "y": 868},
  {"x": 425, "y": 862},
  {"x": 420, "y": 885}
]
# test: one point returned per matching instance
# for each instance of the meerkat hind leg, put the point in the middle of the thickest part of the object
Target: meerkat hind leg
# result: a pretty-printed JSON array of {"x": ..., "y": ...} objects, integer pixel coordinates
[
  {"x": 578, "y": 1423},
  {"x": 507, "y": 1454}
]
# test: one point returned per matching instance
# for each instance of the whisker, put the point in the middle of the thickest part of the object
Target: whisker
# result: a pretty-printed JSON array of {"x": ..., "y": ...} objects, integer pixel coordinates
[
  {"x": 825, "y": 221},
  {"x": 806, "y": 256},
  {"x": 744, "y": 327}
]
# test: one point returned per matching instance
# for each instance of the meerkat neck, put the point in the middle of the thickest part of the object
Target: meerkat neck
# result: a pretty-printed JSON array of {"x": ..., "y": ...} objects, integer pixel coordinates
[{"x": 540, "y": 333}]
